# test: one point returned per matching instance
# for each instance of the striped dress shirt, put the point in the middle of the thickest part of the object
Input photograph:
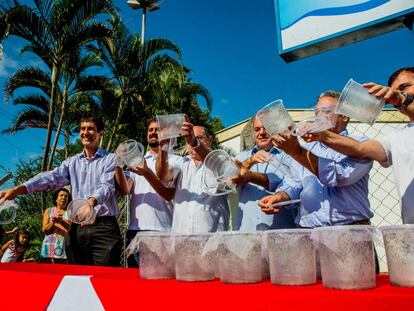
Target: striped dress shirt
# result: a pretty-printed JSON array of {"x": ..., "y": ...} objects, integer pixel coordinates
[{"x": 93, "y": 177}]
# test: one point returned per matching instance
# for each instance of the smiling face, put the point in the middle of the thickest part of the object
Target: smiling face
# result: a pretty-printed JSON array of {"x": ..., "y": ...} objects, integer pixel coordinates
[
  {"x": 89, "y": 135},
  {"x": 152, "y": 135},
  {"x": 260, "y": 136},
  {"x": 404, "y": 82}
]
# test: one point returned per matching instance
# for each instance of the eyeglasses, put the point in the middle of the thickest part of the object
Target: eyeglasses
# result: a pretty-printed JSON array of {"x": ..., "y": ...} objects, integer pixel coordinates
[{"x": 323, "y": 110}]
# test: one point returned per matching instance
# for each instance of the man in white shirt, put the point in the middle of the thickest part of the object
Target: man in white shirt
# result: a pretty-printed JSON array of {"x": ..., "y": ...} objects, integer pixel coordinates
[
  {"x": 395, "y": 148},
  {"x": 151, "y": 208},
  {"x": 194, "y": 210}
]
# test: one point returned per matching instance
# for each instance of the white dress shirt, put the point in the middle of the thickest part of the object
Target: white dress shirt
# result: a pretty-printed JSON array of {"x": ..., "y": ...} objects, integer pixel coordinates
[
  {"x": 195, "y": 210},
  {"x": 399, "y": 147}
]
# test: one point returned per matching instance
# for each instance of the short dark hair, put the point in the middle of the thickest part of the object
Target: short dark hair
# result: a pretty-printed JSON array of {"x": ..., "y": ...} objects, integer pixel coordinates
[
  {"x": 95, "y": 119},
  {"x": 153, "y": 119},
  {"x": 207, "y": 132},
  {"x": 396, "y": 73},
  {"x": 56, "y": 194}
]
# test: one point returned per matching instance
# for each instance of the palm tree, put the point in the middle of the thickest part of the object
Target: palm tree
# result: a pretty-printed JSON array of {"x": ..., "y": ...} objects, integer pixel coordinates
[
  {"x": 4, "y": 29},
  {"x": 54, "y": 31},
  {"x": 131, "y": 67}
]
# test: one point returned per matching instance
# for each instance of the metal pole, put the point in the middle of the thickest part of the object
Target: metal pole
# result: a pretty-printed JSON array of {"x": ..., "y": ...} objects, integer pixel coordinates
[{"x": 144, "y": 17}]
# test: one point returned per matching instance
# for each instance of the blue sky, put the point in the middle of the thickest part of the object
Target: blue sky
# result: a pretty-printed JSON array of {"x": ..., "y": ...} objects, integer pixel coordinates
[{"x": 231, "y": 47}]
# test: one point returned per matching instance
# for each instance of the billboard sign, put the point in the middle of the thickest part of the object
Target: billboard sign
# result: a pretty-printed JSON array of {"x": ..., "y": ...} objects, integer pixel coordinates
[{"x": 308, "y": 27}]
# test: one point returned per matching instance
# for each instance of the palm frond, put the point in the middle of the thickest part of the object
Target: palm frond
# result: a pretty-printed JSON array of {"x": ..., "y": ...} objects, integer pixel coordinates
[
  {"x": 28, "y": 118},
  {"x": 28, "y": 77}
]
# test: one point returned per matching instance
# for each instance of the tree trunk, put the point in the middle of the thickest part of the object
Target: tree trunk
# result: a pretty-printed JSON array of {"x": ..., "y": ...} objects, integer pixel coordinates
[
  {"x": 62, "y": 115},
  {"x": 67, "y": 142},
  {"x": 54, "y": 81},
  {"x": 115, "y": 127}
]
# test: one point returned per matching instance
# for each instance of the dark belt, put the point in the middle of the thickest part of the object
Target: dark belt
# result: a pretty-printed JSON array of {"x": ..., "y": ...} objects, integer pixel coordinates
[
  {"x": 361, "y": 222},
  {"x": 105, "y": 219}
]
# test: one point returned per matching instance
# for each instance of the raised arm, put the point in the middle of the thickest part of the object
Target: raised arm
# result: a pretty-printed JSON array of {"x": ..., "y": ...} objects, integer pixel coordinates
[
  {"x": 246, "y": 175},
  {"x": 11, "y": 193},
  {"x": 290, "y": 145},
  {"x": 370, "y": 149},
  {"x": 166, "y": 192},
  {"x": 123, "y": 183}
]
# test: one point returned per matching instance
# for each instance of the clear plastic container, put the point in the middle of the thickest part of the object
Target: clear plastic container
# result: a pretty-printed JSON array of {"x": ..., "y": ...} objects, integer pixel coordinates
[
  {"x": 192, "y": 262},
  {"x": 311, "y": 123},
  {"x": 156, "y": 255},
  {"x": 275, "y": 117},
  {"x": 7, "y": 212},
  {"x": 357, "y": 103},
  {"x": 169, "y": 125},
  {"x": 131, "y": 152},
  {"x": 218, "y": 168},
  {"x": 81, "y": 212},
  {"x": 240, "y": 257},
  {"x": 399, "y": 249},
  {"x": 291, "y": 257},
  {"x": 347, "y": 256}
]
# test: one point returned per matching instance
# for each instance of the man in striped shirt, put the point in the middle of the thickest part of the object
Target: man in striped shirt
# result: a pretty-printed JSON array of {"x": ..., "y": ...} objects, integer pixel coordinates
[{"x": 91, "y": 176}]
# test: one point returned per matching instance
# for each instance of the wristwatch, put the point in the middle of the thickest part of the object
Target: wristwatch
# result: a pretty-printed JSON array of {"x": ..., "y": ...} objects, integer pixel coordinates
[{"x": 408, "y": 99}]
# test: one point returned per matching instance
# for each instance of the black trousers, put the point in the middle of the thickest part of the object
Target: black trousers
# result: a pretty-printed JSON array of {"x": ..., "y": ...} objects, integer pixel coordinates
[{"x": 99, "y": 244}]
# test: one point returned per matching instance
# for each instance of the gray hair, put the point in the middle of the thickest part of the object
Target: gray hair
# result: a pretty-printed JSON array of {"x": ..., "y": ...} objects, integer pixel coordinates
[{"x": 329, "y": 93}]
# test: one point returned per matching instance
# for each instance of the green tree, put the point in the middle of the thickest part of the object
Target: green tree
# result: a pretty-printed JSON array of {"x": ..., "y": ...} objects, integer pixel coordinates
[
  {"x": 131, "y": 66},
  {"x": 54, "y": 30},
  {"x": 71, "y": 97}
]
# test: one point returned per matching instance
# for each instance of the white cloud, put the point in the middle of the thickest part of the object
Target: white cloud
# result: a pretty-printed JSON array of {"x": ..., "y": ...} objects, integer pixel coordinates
[{"x": 7, "y": 65}]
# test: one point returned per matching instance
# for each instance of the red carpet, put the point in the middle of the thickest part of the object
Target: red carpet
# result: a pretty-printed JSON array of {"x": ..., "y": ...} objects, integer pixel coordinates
[{"x": 31, "y": 286}]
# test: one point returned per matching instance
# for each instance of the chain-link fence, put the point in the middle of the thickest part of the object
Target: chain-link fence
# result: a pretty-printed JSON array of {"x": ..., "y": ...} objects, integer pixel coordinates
[
  {"x": 383, "y": 194},
  {"x": 123, "y": 221}
]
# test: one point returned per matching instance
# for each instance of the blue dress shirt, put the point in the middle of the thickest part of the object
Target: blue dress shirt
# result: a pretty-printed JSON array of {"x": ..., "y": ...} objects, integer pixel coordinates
[
  {"x": 339, "y": 196},
  {"x": 249, "y": 216},
  {"x": 92, "y": 177}
]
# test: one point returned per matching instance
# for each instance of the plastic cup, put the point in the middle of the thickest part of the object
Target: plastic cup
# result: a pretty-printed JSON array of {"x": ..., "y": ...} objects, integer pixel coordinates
[
  {"x": 347, "y": 256},
  {"x": 156, "y": 255},
  {"x": 221, "y": 165},
  {"x": 240, "y": 257},
  {"x": 7, "y": 212},
  {"x": 357, "y": 103},
  {"x": 399, "y": 249},
  {"x": 315, "y": 123},
  {"x": 192, "y": 263},
  {"x": 169, "y": 125},
  {"x": 81, "y": 212},
  {"x": 218, "y": 169},
  {"x": 291, "y": 256},
  {"x": 275, "y": 117},
  {"x": 131, "y": 152}
]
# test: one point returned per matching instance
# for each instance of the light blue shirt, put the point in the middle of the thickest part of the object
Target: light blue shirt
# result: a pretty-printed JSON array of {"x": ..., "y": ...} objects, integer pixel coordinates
[
  {"x": 249, "y": 216},
  {"x": 92, "y": 177},
  {"x": 339, "y": 196}
]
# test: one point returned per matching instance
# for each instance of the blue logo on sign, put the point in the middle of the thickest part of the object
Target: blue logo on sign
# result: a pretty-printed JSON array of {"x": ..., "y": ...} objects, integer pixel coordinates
[{"x": 295, "y": 10}]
